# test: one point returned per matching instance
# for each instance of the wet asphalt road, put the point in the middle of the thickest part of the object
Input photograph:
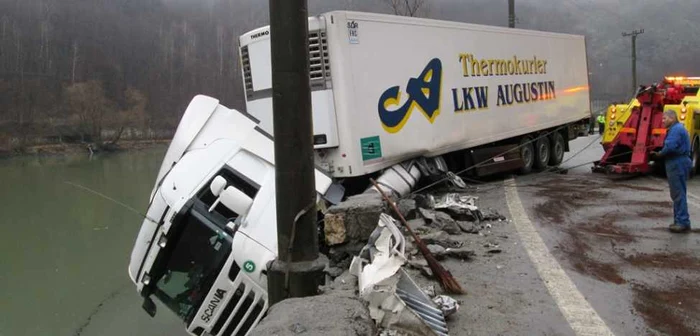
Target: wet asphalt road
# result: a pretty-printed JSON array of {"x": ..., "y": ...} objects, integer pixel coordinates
[{"x": 611, "y": 240}]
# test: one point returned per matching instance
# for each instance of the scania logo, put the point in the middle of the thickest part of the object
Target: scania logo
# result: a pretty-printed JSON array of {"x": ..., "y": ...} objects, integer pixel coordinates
[
  {"x": 213, "y": 304},
  {"x": 260, "y": 34}
]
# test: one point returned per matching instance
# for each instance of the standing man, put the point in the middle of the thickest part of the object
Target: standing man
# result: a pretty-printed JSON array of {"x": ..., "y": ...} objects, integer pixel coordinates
[
  {"x": 676, "y": 153},
  {"x": 601, "y": 123}
]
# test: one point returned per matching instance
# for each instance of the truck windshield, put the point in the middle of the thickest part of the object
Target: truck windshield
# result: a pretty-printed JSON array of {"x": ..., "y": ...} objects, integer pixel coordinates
[{"x": 193, "y": 263}]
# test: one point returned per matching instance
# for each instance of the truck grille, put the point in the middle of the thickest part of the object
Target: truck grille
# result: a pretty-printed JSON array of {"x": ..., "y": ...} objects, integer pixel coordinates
[
  {"x": 320, "y": 68},
  {"x": 247, "y": 75},
  {"x": 243, "y": 311},
  {"x": 319, "y": 64}
]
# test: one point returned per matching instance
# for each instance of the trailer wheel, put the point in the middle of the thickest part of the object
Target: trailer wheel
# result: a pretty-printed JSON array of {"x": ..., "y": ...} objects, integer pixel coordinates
[
  {"x": 558, "y": 146},
  {"x": 542, "y": 153},
  {"x": 527, "y": 154}
]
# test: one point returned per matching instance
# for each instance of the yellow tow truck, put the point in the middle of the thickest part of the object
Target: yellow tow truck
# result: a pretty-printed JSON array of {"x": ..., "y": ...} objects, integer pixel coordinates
[{"x": 625, "y": 122}]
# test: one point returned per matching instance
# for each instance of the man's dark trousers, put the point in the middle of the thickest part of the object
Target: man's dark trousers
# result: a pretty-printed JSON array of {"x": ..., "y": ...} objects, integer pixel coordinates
[{"x": 678, "y": 171}]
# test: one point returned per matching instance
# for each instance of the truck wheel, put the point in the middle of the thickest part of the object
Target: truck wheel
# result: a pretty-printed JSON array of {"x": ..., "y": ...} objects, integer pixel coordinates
[
  {"x": 542, "y": 153},
  {"x": 558, "y": 146},
  {"x": 527, "y": 154}
]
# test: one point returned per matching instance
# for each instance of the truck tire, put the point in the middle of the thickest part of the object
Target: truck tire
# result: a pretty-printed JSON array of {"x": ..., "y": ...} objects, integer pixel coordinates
[
  {"x": 527, "y": 154},
  {"x": 542, "y": 153},
  {"x": 558, "y": 146}
]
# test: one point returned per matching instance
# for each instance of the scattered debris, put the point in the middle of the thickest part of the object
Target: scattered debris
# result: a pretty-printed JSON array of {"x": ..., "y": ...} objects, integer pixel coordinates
[
  {"x": 491, "y": 215},
  {"x": 454, "y": 201},
  {"x": 408, "y": 208},
  {"x": 468, "y": 227},
  {"x": 459, "y": 207},
  {"x": 297, "y": 328},
  {"x": 429, "y": 290},
  {"x": 441, "y": 221},
  {"x": 447, "y": 304},
  {"x": 385, "y": 253},
  {"x": 418, "y": 224},
  {"x": 395, "y": 301},
  {"x": 460, "y": 253},
  {"x": 441, "y": 238},
  {"x": 334, "y": 272},
  {"x": 436, "y": 250},
  {"x": 421, "y": 265}
]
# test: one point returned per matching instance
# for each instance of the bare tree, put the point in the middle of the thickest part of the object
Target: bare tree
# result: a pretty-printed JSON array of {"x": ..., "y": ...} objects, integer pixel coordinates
[
  {"x": 408, "y": 7},
  {"x": 88, "y": 102}
]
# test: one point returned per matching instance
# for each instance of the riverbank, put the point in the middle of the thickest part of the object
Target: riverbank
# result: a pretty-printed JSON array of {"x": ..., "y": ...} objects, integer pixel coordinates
[{"x": 81, "y": 148}]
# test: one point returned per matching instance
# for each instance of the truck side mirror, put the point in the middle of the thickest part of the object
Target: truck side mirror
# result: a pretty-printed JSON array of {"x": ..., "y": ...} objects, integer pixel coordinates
[
  {"x": 217, "y": 185},
  {"x": 236, "y": 200},
  {"x": 149, "y": 306}
]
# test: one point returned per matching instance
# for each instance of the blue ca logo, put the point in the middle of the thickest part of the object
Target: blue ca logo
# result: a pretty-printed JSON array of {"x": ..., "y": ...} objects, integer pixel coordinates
[{"x": 423, "y": 94}]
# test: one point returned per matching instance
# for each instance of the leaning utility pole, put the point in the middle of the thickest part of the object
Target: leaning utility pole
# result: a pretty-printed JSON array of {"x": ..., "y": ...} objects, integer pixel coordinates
[
  {"x": 298, "y": 269},
  {"x": 511, "y": 13},
  {"x": 634, "y": 34}
]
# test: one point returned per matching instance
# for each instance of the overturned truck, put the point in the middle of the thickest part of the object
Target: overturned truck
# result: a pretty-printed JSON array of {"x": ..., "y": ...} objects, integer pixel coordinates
[{"x": 457, "y": 95}]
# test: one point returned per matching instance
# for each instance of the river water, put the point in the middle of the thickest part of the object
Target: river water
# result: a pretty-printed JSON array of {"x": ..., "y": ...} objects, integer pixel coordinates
[{"x": 64, "y": 252}]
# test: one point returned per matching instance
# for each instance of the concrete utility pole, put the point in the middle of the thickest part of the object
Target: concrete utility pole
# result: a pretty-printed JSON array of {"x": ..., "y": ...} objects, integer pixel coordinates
[
  {"x": 511, "y": 13},
  {"x": 298, "y": 270},
  {"x": 634, "y": 34}
]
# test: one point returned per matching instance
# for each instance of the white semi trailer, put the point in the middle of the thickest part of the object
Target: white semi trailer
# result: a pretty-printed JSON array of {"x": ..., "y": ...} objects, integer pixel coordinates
[{"x": 387, "y": 91}]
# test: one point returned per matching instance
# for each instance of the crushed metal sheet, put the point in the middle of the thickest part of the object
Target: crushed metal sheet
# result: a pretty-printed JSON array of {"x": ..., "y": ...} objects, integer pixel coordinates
[
  {"x": 395, "y": 301},
  {"x": 386, "y": 249},
  {"x": 454, "y": 200},
  {"x": 447, "y": 304}
]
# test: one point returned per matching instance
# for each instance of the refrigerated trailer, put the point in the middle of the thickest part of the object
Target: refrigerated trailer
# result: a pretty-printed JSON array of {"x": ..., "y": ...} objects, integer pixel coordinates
[
  {"x": 391, "y": 96},
  {"x": 386, "y": 89}
]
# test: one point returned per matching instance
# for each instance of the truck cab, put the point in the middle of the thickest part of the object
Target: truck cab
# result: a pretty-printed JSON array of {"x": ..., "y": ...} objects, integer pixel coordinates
[{"x": 210, "y": 230}]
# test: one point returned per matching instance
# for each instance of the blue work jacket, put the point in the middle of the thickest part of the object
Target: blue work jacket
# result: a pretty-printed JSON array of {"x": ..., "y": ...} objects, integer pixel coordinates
[{"x": 677, "y": 148}]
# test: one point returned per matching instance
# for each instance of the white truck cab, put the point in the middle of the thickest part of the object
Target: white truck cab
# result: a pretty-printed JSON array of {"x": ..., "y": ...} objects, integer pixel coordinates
[{"x": 210, "y": 230}]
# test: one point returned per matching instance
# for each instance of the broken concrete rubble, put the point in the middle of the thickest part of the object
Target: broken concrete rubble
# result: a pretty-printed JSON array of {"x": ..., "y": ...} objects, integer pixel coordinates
[
  {"x": 418, "y": 224},
  {"x": 408, "y": 208},
  {"x": 436, "y": 250},
  {"x": 492, "y": 215},
  {"x": 441, "y": 238},
  {"x": 343, "y": 314},
  {"x": 354, "y": 219},
  {"x": 441, "y": 221},
  {"x": 468, "y": 227}
]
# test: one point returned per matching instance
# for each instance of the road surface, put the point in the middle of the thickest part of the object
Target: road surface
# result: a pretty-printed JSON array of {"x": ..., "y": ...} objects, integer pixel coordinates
[{"x": 581, "y": 255}]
